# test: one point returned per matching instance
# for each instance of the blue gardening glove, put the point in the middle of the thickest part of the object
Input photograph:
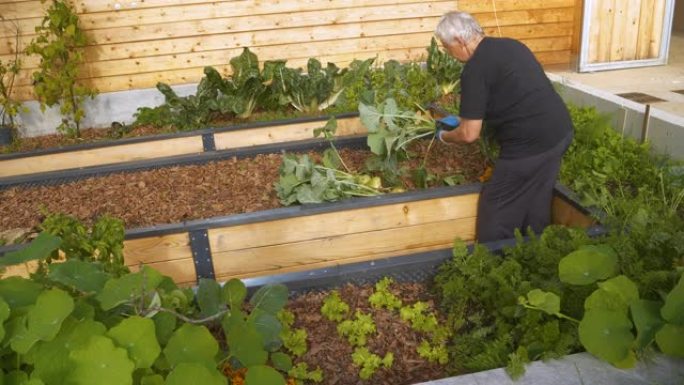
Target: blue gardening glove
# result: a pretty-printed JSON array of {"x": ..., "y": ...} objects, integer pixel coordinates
[{"x": 447, "y": 123}]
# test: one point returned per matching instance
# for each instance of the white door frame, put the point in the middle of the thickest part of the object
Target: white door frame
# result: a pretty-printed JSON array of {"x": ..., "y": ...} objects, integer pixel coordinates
[{"x": 585, "y": 66}]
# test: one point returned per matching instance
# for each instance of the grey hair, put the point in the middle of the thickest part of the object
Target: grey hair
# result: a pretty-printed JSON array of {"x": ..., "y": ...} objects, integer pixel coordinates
[{"x": 458, "y": 25}]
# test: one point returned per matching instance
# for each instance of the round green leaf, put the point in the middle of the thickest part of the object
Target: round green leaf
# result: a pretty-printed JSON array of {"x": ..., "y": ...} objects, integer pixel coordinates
[
  {"x": 670, "y": 340},
  {"x": 19, "y": 292},
  {"x": 673, "y": 310},
  {"x": 246, "y": 345},
  {"x": 46, "y": 317},
  {"x": 270, "y": 298},
  {"x": 39, "y": 248},
  {"x": 588, "y": 264},
  {"x": 137, "y": 336},
  {"x": 102, "y": 363},
  {"x": 208, "y": 297},
  {"x": 605, "y": 300},
  {"x": 281, "y": 361},
  {"x": 545, "y": 301},
  {"x": 118, "y": 291},
  {"x": 234, "y": 293},
  {"x": 191, "y": 343},
  {"x": 83, "y": 276},
  {"x": 152, "y": 379},
  {"x": 263, "y": 375},
  {"x": 187, "y": 373},
  {"x": 607, "y": 334},
  {"x": 623, "y": 287},
  {"x": 268, "y": 326},
  {"x": 646, "y": 317},
  {"x": 164, "y": 325},
  {"x": 4, "y": 315}
]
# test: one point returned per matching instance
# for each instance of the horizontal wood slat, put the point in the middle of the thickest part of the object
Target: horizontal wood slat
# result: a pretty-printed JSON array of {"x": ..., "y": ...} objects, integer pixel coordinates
[
  {"x": 563, "y": 213},
  {"x": 341, "y": 249},
  {"x": 100, "y": 156}
]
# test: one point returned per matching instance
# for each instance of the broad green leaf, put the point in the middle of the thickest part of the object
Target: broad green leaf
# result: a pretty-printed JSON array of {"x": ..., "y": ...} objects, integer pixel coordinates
[
  {"x": 607, "y": 335},
  {"x": 118, "y": 291},
  {"x": 19, "y": 292},
  {"x": 331, "y": 159},
  {"x": 268, "y": 326},
  {"x": 39, "y": 248},
  {"x": 370, "y": 117},
  {"x": 164, "y": 325},
  {"x": 208, "y": 297},
  {"x": 670, "y": 339},
  {"x": 281, "y": 361},
  {"x": 51, "y": 359},
  {"x": 673, "y": 309},
  {"x": 605, "y": 300},
  {"x": 234, "y": 293},
  {"x": 646, "y": 317},
  {"x": 270, "y": 298},
  {"x": 4, "y": 315},
  {"x": 152, "y": 379},
  {"x": 102, "y": 363},
  {"x": 263, "y": 375},
  {"x": 545, "y": 301},
  {"x": 188, "y": 373},
  {"x": 46, "y": 317},
  {"x": 246, "y": 345},
  {"x": 22, "y": 340},
  {"x": 83, "y": 276},
  {"x": 588, "y": 264},
  {"x": 622, "y": 286},
  {"x": 191, "y": 343},
  {"x": 137, "y": 336}
]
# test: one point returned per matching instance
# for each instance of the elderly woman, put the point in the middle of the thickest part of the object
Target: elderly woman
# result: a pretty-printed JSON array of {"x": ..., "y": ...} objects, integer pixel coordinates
[{"x": 504, "y": 85}]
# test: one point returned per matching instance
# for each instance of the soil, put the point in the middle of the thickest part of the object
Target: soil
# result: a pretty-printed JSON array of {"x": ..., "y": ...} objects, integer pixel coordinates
[
  {"x": 181, "y": 193},
  {"x": 332, "y": 353}
]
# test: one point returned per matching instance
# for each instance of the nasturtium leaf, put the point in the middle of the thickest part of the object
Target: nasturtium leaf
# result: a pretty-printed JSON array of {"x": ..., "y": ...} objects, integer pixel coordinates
[
  {"x": 605, "y": 300},
  {"x": 39, "y": 248},
  {"x": 16, "y": 377},
  {"x": 83, "y": 310},
  {"x": 152, "y": 379},
  {"x": 270, "y": 298},
  {"x": 246, "y": 345},
  {"x": 670, "y": 340},
  {"x": 118, "y": 291},
  {"x": 281, "y": 361},
  {"x": 622, "y": 286},
  {"x": 137, "y": 335},
  {"x": 646, "y": 317},
  {"x": 22, "y": 340},
  {"x": 673, "y": 309},
  {"x": 268, "y": 327},
  {"x": 83, "y": 276},
  {"x": 607, "y": 335},
  {"x": 191, "y": 343},
  {"x": 263, "y": 375},
  {"x": 19, "y": 292},
  {"x": 100, "y": 362},
  {"x": 164, "y": 325},
  {"x": 187, "y": 373},
  {"x": 51, "y": 359},
  {"x": 208, "y": 297},
  {"x": 545, "y": 301},
  {"x": 588, "y": 264},
  {"x": 4, "y": 315},
  {"x": 51, "y": 308}
]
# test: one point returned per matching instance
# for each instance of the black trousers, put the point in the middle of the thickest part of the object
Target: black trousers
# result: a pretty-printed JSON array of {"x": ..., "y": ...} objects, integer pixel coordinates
[{"x": 519, "y": 194}]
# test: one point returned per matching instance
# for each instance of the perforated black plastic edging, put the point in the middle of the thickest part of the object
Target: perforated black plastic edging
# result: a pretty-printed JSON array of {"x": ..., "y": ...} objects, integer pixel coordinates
[
  {"x": 182, "y": 134},
  {"x": 59, "y": 177}
]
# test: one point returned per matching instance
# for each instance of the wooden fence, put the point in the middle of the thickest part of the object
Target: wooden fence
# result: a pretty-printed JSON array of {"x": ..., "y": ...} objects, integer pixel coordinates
[{"x": 136, "y": 43}]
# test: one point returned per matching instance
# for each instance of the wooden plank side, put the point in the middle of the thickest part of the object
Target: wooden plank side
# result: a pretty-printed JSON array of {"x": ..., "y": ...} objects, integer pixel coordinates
[
  {"x": 101, "y": 156},
  {"x": 340, "y": 223},
  {"x": 657, "y": 32},
  {"x": 606, "y": 18},
  {"x": 283, "y": 133},
  {"x": 617, "y": 41},
  {"x": 337, "y": 250},
  {"x": 162, "y": 248},
  {"x": 563, "y": 213},
  {"x": 646, "y": 18},
  {"x": 594, "y": 31},
  {"x": 631, "y": 31},
  {"x": 480, "y": 6},
  {"x": 181, "y": 270},
  {"x": 10, "y": 10}
]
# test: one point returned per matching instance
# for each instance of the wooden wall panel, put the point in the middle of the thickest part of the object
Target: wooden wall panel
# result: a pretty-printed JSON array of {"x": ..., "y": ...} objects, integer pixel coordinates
[{"x": 137, "y": 46}]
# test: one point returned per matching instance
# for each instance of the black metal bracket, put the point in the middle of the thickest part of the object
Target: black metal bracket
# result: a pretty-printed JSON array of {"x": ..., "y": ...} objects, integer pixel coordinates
[
  {"x": 208, "y": 142},
  {"x": 201, "y": 254}
]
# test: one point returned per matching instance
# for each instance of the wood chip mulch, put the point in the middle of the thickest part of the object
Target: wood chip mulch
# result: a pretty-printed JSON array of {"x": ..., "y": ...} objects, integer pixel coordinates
[
  {"x": 332, "y": 353},
  {"x": 180, "y": 193}
]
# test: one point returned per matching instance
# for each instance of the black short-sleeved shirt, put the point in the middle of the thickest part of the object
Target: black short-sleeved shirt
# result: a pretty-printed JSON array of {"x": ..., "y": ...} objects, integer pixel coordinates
[{"x": 504, "y": 84}]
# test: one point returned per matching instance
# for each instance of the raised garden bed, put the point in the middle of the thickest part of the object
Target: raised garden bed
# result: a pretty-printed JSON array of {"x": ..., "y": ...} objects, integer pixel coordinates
[{"x": 156, "y": 147}]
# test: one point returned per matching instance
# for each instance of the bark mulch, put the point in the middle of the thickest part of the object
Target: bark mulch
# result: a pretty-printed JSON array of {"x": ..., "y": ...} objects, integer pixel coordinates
[
  {"x": 180, "y": 193},
  {"x": 332, "y": 353}
]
